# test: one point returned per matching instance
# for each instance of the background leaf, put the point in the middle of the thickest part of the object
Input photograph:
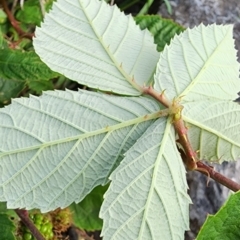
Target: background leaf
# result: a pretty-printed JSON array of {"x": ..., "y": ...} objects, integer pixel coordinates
[
  {"x": 163, "y": 30},
  {"x": 6, "y": 228},
  {"x": 86, "y": 213},
  {"x": 147, "y": 198},
  {"x": 25, "y": 66},
  {"x": 224, "y": 225},
  {"x": 9, "y": 89},
  {"x": 66, "y": 143},
  {"x": 30, "y": 13},
  {"x": 96, "y": 45}
]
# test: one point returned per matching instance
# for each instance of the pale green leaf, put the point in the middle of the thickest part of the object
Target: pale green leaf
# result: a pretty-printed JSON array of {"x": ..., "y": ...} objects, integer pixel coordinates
[
  {"x": 213, "y": 129},
  {"x": 200, "y": 64},
  {"x": 96, "y": 45},
  {"x": 149, "y": 189},
  {"x": 56, "y": 148}
]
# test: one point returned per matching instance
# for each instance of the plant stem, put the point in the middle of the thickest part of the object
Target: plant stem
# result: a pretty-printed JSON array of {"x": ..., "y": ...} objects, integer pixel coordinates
[
  {"x": 23, "y": 214},
  {"x": 218, "y": 177},
  {"x": 158, "y": 96},
  {"x": 14, "y": 22},
  {"x": 188, "y": 155}
]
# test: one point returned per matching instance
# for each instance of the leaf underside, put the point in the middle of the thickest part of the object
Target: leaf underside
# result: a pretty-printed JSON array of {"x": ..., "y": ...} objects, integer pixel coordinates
[
  {"x": 65, "y": 144},
  {"x": 147, "y": 198},
  {"x": 96, "y": 45},
  {"x": 200, "y": 67}
]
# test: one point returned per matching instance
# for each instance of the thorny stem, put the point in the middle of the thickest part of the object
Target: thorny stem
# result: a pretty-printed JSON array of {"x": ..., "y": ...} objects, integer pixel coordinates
[
  {"x": 14, "y": 22},
  {"x": 189, "y": 156},
  {"x": 218, "y": 177},
  {"x": 23, "y": 214}
]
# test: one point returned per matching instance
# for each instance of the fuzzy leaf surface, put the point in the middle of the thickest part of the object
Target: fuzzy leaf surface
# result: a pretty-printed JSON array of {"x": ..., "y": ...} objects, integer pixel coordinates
[
  {"x": 96, "y": 45},
  {"x": 65, "y": 143},
  {"x": 149, "y": 189},
  {"x": 200, "y": 66},
  {"x": 224, "y": 225}
]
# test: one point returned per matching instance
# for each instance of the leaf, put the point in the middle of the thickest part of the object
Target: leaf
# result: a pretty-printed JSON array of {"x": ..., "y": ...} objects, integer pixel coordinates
[
  {"x": 162, "y": 29},
  {"x": 39, "y": 86},
  {"x": 6, "y": 228},
  {"x": 9, "y": 89},
  {"x": 25, "y": 66},
  {"x": 55, "y": 149},
  {"x": 224, "y": 225},
  {"x": 200, "y": 64},
  {"x": 147, "y": 198},
  {"x": 200, "y": 68},
  {"x": 86, "y": 213},
  {"x": 30, "y": 13},
  {"x": 213, "y": 128},
  {"x": 96, "y": 45}
]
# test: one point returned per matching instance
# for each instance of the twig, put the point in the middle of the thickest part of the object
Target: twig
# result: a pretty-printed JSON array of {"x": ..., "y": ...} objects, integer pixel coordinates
[
  {"x": 14, "y": 22},
  {"x": 23, "y": 214},
  {"x": 218, "y": 177}
]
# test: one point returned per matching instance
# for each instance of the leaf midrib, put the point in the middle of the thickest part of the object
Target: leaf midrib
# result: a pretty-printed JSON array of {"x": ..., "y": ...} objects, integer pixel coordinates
[
  {"x": 210, "y": 130},
  {"x": 124, "y": 124},
  {"x": 129, "y": 79},
  {"x": 205, "y": 66}
]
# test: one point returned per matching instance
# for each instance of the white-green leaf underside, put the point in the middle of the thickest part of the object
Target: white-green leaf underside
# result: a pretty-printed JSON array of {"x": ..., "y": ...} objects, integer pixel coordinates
[
  {"x": 96, "y": 45},
  {"x": 56, "y": 148},
  {"x": 147, "y": 198},
  {"x": 214, "y": 129},
  {"x": 200, "y": 66}
]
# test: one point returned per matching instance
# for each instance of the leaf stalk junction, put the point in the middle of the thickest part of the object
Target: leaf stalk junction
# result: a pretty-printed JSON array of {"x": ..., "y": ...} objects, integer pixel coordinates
[{"x": 188, "y": 154}]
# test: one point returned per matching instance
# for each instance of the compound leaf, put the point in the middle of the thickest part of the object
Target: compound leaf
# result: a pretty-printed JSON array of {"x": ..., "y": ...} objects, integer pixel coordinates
[
  {"x": 149, "y": 190},
  {"x": 96, "y": 45},
  {"x": 65, "y": 143}
]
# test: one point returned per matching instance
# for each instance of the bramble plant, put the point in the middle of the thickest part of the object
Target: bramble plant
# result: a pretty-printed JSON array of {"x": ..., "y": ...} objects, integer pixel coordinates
[{"x": 142, "y": 118}]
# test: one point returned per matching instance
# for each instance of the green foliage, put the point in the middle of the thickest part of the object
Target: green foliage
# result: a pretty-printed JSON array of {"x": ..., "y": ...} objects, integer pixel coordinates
[
  {"x": 86, "y": 213},
  {"x": 224, "y": 225},
  {"x": 7, "y": 228},
  {"x": 163, "y": 30},
  {"x": 30, "y": 13},
  {"x": 23, "y": 66},
  {"x": 9, "y": 89}
]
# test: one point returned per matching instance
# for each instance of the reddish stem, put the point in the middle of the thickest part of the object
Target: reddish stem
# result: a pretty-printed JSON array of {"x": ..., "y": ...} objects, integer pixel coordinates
[
  {"x": 14, "y": 22},
  {"x": 188, "y": 154},
  {"x": 23, "y": 214},
  {"x": 218, "y": 177}
]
